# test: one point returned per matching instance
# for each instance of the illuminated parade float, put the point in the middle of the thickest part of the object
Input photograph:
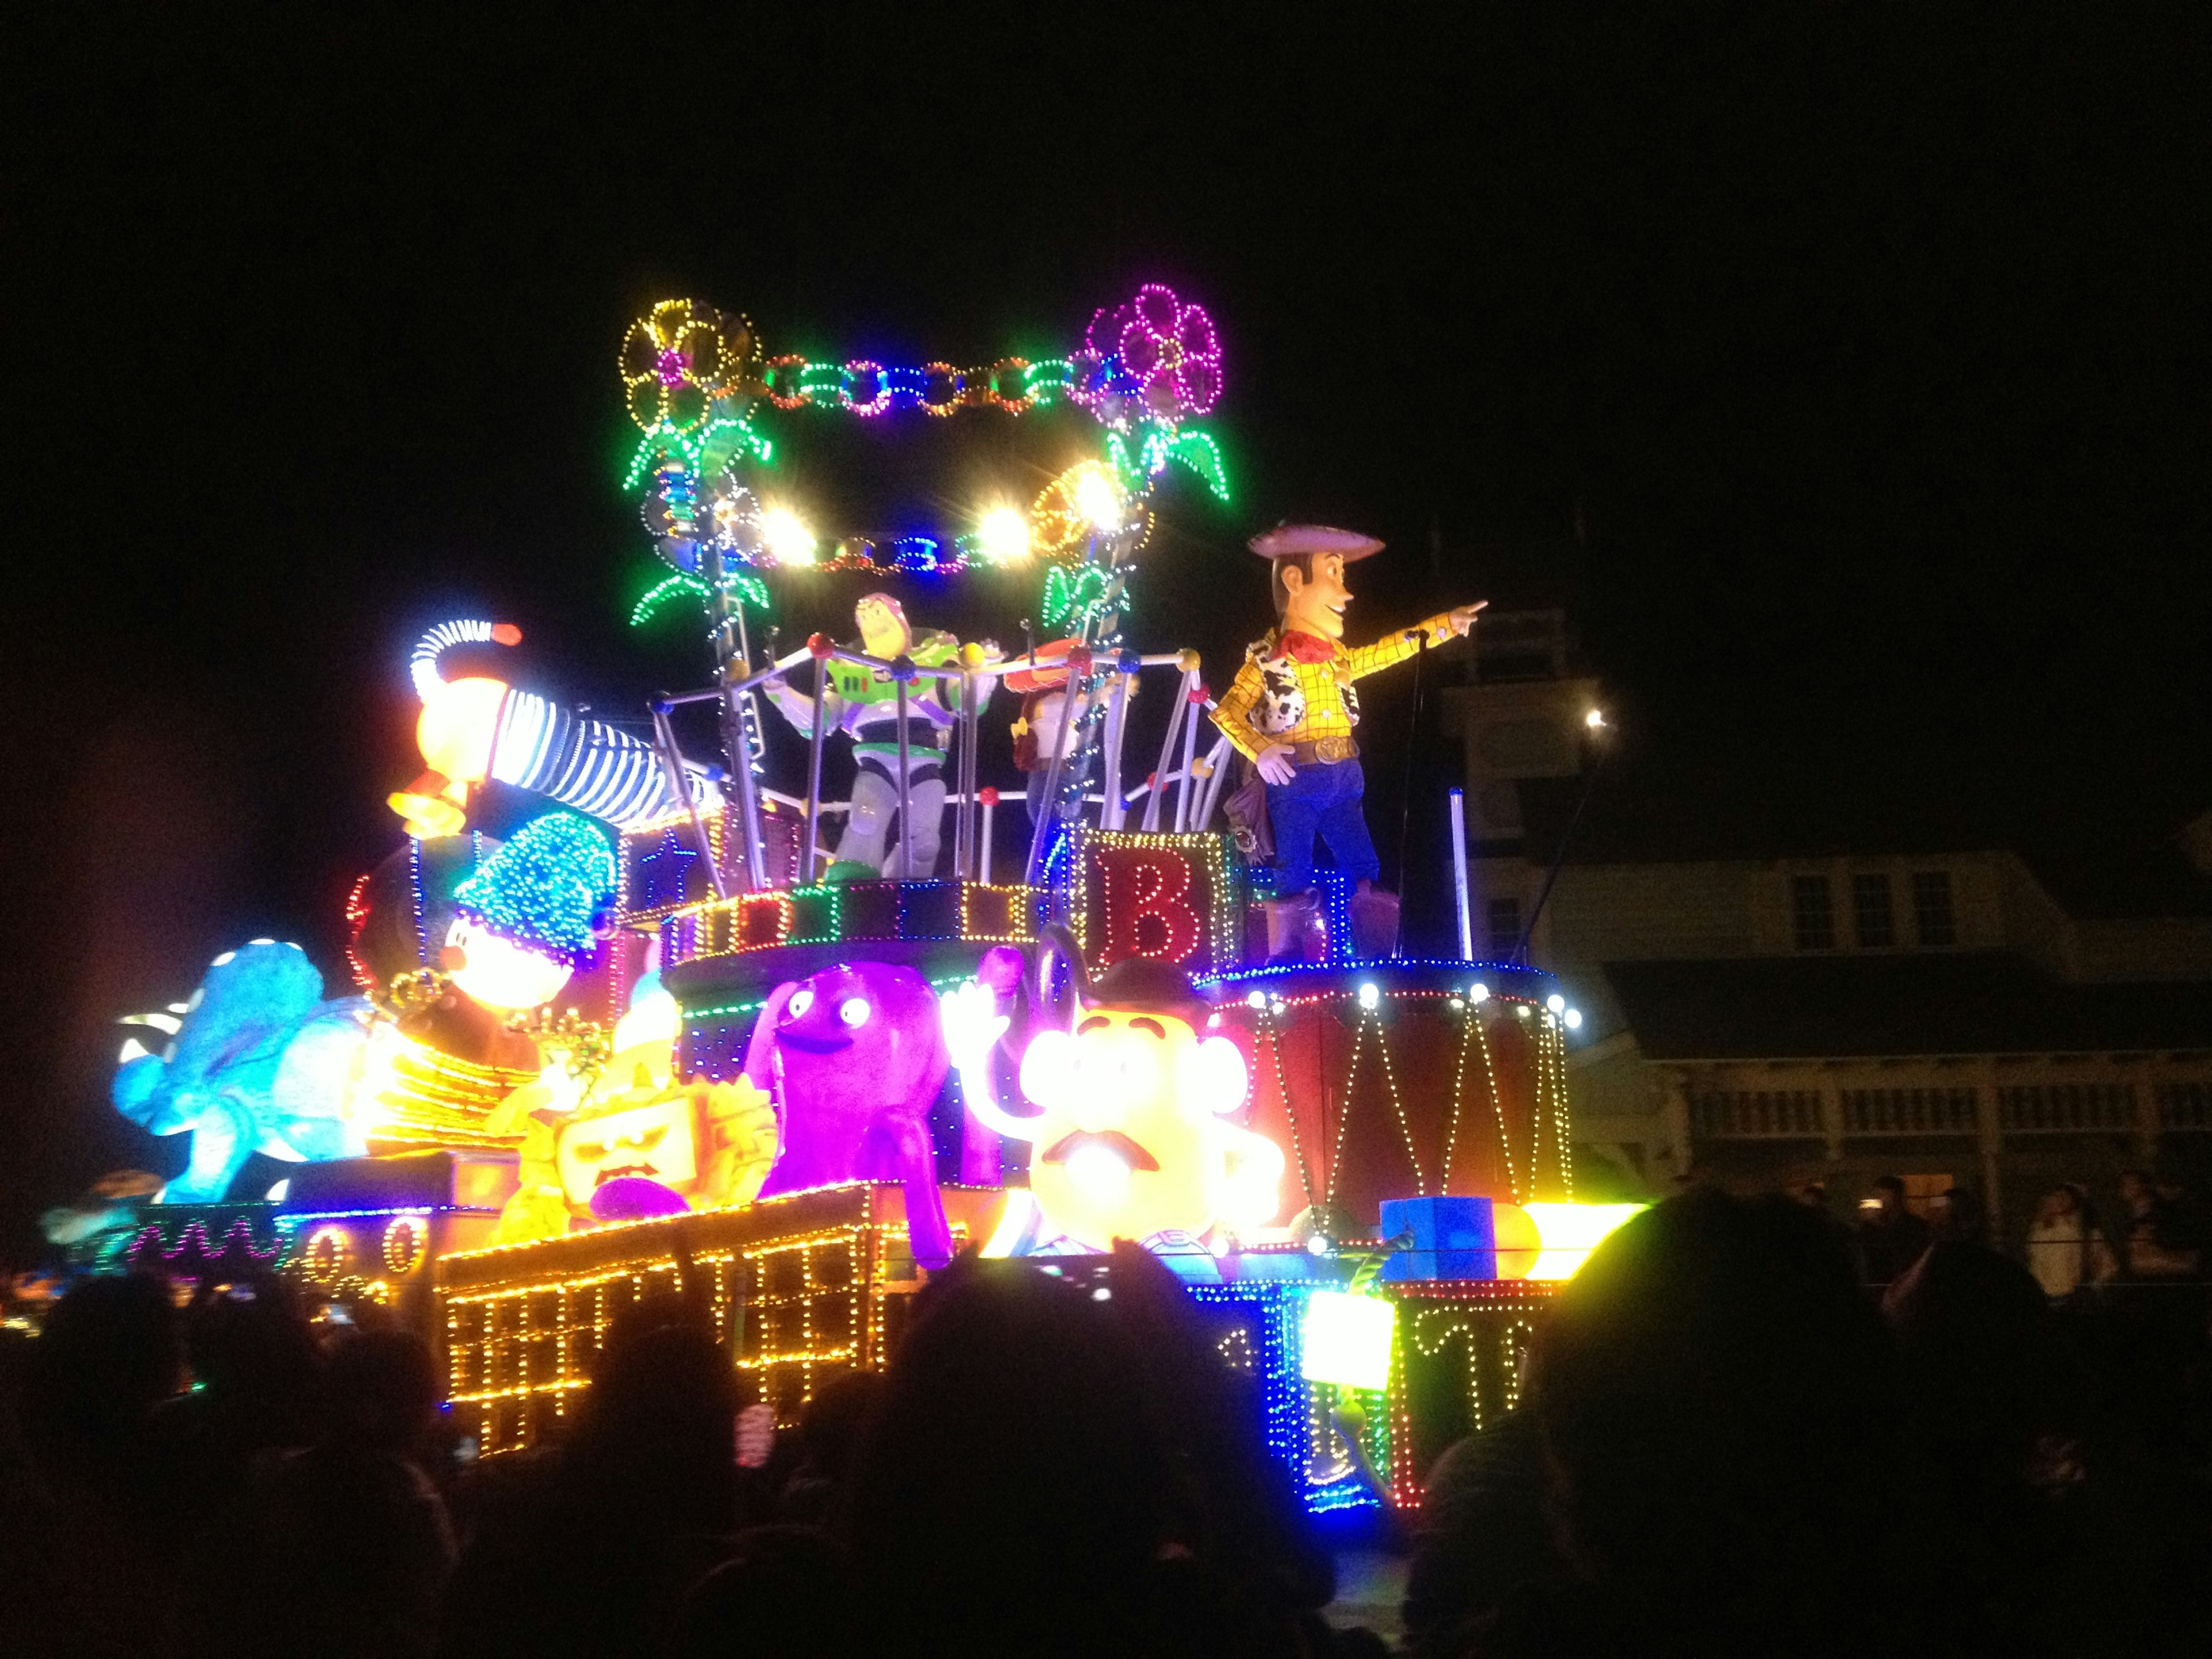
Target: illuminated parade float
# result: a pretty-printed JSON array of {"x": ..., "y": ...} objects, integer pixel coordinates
[{"x": 682, "y": 1025}]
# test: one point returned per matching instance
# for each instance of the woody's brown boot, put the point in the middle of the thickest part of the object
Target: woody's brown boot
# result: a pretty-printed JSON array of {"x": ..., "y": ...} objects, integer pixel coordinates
[
  {"x": 1373, "y": 922},
  {"x": 1291, "y": 927}
]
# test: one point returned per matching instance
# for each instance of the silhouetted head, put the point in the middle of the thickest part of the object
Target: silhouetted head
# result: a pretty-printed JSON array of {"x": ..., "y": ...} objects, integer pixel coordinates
[
  {"x": 785, "y": 1593},
  {"x": 110, "y": 1354},
  {"x": 830, "y": 1427},
  {"x": 664, "y": 1392},
  {"x": 1960, "y": 1218},
  {"x": 1009, "y": 1481},
  {"x": 382, "y": 1387},
  {"x": 253, "y": 1353},
  {"x": 1719, "y": 1412}
]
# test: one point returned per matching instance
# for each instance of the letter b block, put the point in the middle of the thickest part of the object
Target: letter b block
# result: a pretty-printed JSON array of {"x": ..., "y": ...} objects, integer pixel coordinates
[{"x": 1169, "y": 898}]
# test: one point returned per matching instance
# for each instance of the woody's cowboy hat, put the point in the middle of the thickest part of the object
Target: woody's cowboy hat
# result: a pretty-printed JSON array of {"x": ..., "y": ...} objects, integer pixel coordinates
[{"x": 1286, "y": 540}]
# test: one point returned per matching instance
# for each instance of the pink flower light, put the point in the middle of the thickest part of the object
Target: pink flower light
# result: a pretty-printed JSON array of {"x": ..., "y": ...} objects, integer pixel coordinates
[{"x": 1168, "y": 352}]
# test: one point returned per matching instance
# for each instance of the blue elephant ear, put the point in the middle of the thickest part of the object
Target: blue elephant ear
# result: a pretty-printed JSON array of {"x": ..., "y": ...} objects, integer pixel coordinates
[{"x": 551, "y": 886}]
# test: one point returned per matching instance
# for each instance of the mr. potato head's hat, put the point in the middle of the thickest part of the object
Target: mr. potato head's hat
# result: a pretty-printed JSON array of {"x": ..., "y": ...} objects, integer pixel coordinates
[
  {"x": 1142, "y": 985},
  {"x": 1289, "y": 540}
]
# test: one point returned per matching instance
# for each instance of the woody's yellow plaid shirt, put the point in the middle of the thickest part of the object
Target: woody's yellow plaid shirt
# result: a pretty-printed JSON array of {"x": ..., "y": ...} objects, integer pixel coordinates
[{"x": 1251, "y": 706}]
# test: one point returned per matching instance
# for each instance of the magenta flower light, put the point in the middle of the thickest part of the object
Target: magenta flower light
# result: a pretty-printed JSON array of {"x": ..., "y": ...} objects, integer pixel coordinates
[{"x": 1168, "y": 353}]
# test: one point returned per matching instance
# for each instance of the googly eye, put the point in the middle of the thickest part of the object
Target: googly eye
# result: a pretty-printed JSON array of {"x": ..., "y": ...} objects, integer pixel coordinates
[
  {"x": 854, "y": 1010},
  {"x": 800, "y": 1001}
]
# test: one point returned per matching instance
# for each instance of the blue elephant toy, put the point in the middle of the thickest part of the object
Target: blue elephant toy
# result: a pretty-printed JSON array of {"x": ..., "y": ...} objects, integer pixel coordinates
[{"x": 258, "y": 1061}]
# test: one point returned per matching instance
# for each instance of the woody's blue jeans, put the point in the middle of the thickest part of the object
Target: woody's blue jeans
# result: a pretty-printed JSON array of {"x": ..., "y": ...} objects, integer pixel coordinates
[{"x": 1324, "y": 797}]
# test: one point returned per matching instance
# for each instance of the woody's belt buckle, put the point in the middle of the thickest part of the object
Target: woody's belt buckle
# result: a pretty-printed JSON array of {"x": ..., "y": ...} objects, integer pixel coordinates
[{"x": 1326, "y": 752}]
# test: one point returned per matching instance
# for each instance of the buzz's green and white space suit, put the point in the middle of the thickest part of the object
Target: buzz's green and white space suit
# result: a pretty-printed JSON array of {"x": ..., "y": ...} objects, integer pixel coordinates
[{"x": 863, "y": 703}]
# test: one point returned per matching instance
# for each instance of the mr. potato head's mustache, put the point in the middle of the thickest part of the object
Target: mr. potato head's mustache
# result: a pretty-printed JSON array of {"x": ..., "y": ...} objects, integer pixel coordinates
[{"x": 1112, "y": 1139}]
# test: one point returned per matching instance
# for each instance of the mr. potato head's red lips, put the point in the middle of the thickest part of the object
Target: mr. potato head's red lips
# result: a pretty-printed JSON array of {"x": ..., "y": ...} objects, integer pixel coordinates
[{"x": 1113, "y": 1139}]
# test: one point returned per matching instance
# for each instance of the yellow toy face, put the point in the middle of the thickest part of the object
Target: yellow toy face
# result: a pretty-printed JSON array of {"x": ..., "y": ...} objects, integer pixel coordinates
[
  {"x": 883, "y": 628},
  {"x": 657, "y": 1139},
  {"x": 1129, "y": 1143}
]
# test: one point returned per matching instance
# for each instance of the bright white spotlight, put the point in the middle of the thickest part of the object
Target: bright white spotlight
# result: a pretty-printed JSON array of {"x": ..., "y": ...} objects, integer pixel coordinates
[
  {"x": 1477, "y": 991},
  {"x": 1370, "y": 994},
  {"x": 1100, "y": 502},
  {"x": 1556, "y": 1003},
  {"x": 787, "y": 536},
  {"x": 1574, "y": 1020},
  {"x": 1099, "y": 1173},
  {"x": 1005, "y": 535},
  {"x": 1595, "y": 719}
]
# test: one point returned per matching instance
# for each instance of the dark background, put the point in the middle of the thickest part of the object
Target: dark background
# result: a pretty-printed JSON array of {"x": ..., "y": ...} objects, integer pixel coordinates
[{"x": 1844, "y": 367}]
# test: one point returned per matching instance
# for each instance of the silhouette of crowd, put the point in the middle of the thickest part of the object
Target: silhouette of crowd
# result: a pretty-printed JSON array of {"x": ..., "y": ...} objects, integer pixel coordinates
[{"x": 1726, "y": 1443}]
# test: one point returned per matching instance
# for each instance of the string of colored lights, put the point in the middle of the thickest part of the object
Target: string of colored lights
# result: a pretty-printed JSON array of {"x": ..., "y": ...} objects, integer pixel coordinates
[
  {"x": 193, "y": 1239},
  {"x": 691, "y": 374},
  {"x": 1344, "y": 1112},
  {"x": 1433, "y": 1328},
  {"x": 356, "y": 918},
  {"x": 1553, "y": 1044},
  {"x": 755, "y": 1303},
  {"x": 1451, "y": 1124},
  {"x": 1223, "y": 895},
  {"x": 1398, "y": 1107},
  {"x": 1497, "y": 1107},
  {"x": 1519, "y": 1336},
  {"x": 1283, "y": 1093}
]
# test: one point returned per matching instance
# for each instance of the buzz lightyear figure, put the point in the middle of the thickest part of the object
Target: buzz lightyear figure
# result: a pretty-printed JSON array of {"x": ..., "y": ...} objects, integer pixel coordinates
[{"x": 863, "y": 703}]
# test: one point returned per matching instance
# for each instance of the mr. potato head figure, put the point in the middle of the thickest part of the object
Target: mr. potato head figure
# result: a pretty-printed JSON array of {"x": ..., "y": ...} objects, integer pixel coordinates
[
  {"x": 1130, "y": 1135},
  {"x": 1292, "y": 711}
]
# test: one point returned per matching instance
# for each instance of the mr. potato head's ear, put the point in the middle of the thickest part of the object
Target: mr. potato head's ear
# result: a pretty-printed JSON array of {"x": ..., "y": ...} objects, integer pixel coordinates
[
  {"x": 1211, "y": 1076},
  {"x": 1049, "y": 1068}
]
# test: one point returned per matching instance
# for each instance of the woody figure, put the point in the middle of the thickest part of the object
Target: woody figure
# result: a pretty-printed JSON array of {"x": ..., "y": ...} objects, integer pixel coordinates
[{"x": 1291, "y": 710}]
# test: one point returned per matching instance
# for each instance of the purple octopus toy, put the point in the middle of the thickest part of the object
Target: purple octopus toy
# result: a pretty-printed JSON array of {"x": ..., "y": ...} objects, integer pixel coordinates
[{"x": 854, "y": 1057}]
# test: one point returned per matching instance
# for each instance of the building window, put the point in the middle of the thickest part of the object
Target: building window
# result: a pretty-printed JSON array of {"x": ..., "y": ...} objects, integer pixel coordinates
[
  {"x": 1931, "y": 908},
  {"x": 1505, "y": 916},
  {"x": 1813, "y": 917},
  {"x": 1870, "y": 914}
]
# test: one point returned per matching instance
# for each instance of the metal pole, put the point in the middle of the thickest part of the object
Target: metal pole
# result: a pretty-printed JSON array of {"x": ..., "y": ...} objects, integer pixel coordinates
[
  {"x": 748, "y": 801},
  {"x": 986, "y": 844},
  {"x": 1152, "y": 821},
  {"x": 1590, "y": 783},
  {"x": 971, "y": 745},
  {"x": 1193, "y": 702},
  {"x": 965, "y": 727},
  {"x": 1051, "y": 803},
  {"x": 1459, "y": 874},
  {"x": 814, "y": 772},
  {"x": 1218, "y": 758},
  {"x": 671, "y": 759},
  {"x": 1406, "y": 784},
  {"x": 905, "y": 803},
  {"x": 1112, "y": 811}
]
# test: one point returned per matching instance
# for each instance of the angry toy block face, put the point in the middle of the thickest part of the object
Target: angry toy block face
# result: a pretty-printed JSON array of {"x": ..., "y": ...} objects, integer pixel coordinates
[
  {"x": 710, "y": 1143},
  {"x": 657, "y": 1141}
]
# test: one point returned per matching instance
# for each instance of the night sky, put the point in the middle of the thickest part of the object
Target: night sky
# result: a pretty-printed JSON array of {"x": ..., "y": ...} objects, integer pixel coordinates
[{"x": 1845, "y": 370}]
